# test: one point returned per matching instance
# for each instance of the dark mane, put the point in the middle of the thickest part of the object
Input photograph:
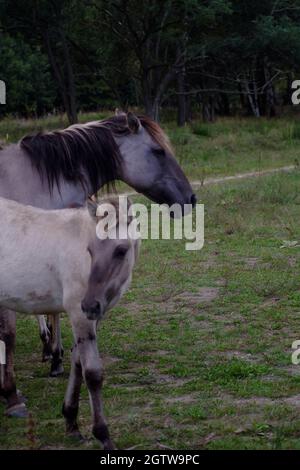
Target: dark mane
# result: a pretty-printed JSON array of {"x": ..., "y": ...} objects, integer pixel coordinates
[
  {"x": 74, "y": 153},
  {"x": 84, "y": 150}
]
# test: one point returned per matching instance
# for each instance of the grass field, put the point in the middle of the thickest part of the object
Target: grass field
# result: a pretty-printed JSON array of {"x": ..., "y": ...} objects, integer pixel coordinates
[{"x": 198, "y": 354}]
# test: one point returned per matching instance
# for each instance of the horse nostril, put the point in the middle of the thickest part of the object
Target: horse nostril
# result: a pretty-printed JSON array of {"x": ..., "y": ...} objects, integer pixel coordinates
[
  {"x": 93, "y": 308},
  {"x": 193, "y": 200},
  {"x": 97, "y": 308}
]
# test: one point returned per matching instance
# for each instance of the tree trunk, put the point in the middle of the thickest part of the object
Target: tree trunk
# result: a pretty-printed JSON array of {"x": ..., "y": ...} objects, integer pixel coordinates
[
  {"x": 155, "y": 110},
  {"x": 65, "y": 81},
  {"x": 252, "y": 98},
  {"x": 270, "y": 92},
  {"x": 208, "y": 108},
  {"x": 287, "y": 95},
  {"x": 225, "y": 104},
  {"x": 151, "y": 103},
  {"x": 181, "y": 115},
  {"x": 181, "y": 77},
  {"x": 242, "y": 97},
  {"x": 71, "y": 110},
  {"x": 147, "y": 98}
]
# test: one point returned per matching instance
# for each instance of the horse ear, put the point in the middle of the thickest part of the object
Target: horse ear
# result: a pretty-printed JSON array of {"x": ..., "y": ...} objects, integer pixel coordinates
[
  {"x": 92, "y": 207},
  {"x": 114, "y": 201},
  {"x": 134, "y": 123}
]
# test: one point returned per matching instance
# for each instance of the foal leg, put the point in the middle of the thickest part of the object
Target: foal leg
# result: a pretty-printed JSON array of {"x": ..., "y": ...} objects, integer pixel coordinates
[
  {"x": 45, "y": 336},
  {"x": 71, "y": 402},
  {"x": 85, "y": 338},
  {"x": 57, "y": 348},
  {"x": 15, "y": 405}
]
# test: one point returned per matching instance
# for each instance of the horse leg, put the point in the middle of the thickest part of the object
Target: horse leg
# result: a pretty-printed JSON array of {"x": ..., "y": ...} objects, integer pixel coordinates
[
  {"x": 57, "y": 348},
  {"x": 71, "y": 402},
  {"x": 15, "y": 405},
  {"x": 45, "y": 335},
  {"x": 85, "y": 338}
]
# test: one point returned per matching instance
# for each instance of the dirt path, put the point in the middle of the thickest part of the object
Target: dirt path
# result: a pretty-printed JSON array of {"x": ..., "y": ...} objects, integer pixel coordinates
[
  {"x": 238, "y": 176},
  {"x": 251, "y": 174}
]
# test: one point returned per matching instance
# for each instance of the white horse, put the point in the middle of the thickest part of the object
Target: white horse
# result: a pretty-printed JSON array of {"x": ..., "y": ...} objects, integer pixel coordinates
[{"x": 53, "y": 261}]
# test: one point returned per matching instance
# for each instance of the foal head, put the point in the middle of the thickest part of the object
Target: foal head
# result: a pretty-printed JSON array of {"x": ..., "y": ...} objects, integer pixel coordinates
[{"x": 112, "y": 262}]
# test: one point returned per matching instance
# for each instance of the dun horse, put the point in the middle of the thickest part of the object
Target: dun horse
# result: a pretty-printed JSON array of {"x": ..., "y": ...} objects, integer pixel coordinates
[
  {"x": 56, "y": 170},
  {"x": 53, "y": 261}
]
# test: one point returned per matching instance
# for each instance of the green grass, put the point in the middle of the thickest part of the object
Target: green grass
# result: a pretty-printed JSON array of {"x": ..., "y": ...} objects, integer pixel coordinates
[
  {"x": 235, "y": 145},
  {"x": 183, "y": 369}
]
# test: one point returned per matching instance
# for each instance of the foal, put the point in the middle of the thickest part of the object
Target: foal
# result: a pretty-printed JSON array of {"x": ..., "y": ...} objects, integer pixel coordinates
[{"x": 54, "y": 261}]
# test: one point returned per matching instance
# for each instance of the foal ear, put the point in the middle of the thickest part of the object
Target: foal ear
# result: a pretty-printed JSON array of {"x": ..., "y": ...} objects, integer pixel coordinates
[
  {"x": 129, "y": 210},
  {"x": 134, "y": 123},
  {"x": 92, "y": 207}
]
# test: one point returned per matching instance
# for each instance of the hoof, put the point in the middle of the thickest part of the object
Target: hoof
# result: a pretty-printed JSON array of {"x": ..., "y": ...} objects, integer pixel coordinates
[
  {"x": 46, "y": 357},
  {"x": 17, "y": 411},
  {"x": 109, "y": 445},
  {"x": 57, "y": 370},
  {"x": 47, "y": 349},
  {"x": 21, "y": 397},
  {"x": 76, "y": 436}
]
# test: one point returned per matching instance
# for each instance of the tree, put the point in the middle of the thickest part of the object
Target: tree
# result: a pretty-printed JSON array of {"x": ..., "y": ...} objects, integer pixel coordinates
[
  {"x": 150, "y": 32},
  {"x": 217, "y": 56},
  {"x": 25, "y": 70},
  {"x": 45, "y": 24}
]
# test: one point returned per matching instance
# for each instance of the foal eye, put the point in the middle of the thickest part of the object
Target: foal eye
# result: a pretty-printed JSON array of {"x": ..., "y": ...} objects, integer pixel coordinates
[{"x": 120, "y": 252}]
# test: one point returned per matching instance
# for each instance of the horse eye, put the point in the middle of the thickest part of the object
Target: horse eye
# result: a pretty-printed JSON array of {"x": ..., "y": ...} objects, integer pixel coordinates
[
  {"x": 159, "y": 152},
  {"x": 120, "y": 252}
]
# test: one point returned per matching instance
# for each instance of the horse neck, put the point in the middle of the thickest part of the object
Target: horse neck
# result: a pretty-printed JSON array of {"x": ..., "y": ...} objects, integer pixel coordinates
[{"x": 20, "y": 182}]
